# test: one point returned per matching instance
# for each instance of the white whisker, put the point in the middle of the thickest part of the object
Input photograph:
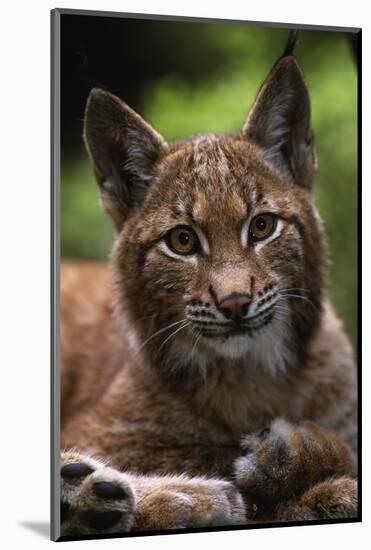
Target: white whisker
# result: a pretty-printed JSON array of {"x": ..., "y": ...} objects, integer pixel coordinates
[
  {"x": 187, "y": 323},
  {"x": 293, "y": 289},
  {"x": 298, "y": 297},
  {"x": 159, "y": 332},
  {"x": 198, "y": 336}
]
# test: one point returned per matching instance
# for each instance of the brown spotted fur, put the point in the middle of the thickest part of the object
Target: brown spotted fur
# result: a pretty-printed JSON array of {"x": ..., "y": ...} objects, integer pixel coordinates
[{"x": 173, "y": 403}]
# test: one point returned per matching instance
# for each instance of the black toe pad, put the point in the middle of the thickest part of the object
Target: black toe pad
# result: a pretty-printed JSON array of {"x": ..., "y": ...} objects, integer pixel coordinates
[
  {"x": 77, "y": 469},
  {"x": 105, "y": 489}
]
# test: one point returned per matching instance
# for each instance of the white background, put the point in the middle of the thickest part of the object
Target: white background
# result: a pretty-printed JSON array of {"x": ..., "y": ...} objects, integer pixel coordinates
[{"x": 24, "y": 271}]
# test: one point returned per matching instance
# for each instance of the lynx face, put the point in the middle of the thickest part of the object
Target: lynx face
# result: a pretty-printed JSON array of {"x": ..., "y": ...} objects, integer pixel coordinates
[{"x": 219, "y": 246}]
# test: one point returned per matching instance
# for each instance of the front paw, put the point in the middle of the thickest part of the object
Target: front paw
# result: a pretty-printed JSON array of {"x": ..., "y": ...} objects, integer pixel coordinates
[
  {"x": 335, "y": 498},
  {"x": 176, "y": 503},
  {"x": 94, "y": 498},
  {"x": 283, "y": 461}
]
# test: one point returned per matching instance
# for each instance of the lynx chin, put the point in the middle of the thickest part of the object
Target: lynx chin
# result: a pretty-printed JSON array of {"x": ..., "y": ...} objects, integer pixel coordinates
[{"x": 206, "y": 379}]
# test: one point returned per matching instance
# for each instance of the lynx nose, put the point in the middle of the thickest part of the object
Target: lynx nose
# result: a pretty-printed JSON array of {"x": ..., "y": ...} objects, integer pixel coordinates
[{"x": 235, "y": 306}]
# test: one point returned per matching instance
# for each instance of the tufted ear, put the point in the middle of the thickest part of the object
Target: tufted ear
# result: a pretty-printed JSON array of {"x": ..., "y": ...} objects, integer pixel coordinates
[
  {"x": 124, "y": 150},
  {"x": 279, "y": 122}
]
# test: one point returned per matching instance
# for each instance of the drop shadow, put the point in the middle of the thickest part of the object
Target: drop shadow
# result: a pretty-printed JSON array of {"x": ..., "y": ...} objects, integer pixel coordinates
[{"x": 42, "y": 528}]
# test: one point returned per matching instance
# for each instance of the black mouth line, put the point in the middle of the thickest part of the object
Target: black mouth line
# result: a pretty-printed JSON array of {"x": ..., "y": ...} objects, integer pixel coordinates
[
  {"x": 245, "y": 322},
  {"x": 230, "y": 325},
  {"x": 260, "y": 318},
  {"x": 241, "y": 330}
]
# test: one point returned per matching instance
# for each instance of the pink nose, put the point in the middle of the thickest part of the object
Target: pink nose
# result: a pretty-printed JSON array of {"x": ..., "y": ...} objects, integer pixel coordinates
[{"x": 235, "y": 306}]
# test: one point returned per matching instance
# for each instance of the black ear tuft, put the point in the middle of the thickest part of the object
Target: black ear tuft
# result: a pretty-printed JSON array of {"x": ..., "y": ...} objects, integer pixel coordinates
[
  {"x": 124, "y": 150},
  {"x": 279, "y": 122},
  {"x": 291, "y": 43}
]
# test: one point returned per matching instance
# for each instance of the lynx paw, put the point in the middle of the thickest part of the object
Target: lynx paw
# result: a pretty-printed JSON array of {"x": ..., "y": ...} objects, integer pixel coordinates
[
  {"x": 330, "y": 499},
  {"x": 285, "y": 460},
  {"x": 175, "y": 503},
  {"x": 94, "y": 498}
]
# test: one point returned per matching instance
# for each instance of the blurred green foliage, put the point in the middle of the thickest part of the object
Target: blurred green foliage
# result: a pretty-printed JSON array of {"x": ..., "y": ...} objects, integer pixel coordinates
[{"x": 217, "y": 99}]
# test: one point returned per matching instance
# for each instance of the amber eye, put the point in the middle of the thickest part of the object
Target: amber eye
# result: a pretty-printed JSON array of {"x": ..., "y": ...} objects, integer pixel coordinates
[
  {"x": 182, "y": 240},
  {"x": 262, "y": 226}
]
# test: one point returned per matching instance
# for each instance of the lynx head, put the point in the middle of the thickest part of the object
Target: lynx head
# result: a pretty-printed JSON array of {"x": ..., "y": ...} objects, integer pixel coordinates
[{"x": 219, "y": 252}]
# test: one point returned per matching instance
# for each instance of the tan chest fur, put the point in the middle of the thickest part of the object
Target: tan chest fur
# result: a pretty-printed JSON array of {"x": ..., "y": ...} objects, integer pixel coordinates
[
  {"x": 215, "y": 322},
  {"x": 118, "y": 408}
]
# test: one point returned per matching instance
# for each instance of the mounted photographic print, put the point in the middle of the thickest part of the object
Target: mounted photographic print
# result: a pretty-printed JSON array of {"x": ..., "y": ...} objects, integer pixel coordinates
[{"x": 204, "y": 277}]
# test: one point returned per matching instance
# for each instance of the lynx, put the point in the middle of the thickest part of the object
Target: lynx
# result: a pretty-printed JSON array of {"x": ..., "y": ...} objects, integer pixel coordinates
[{"x": 206, "y": 380}]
